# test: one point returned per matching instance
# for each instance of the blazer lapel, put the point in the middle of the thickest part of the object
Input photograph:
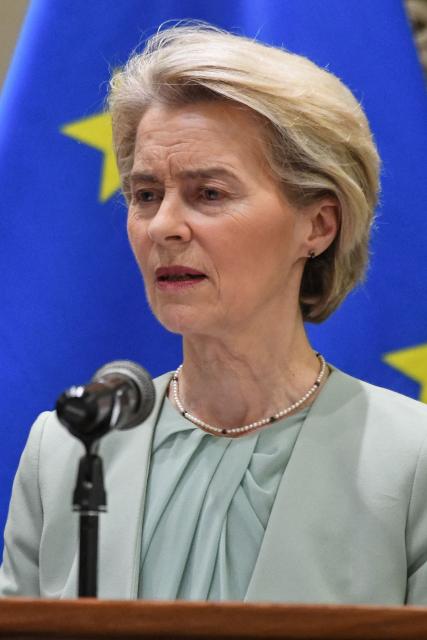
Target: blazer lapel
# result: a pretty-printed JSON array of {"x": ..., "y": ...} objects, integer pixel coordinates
[
  {"x": 126, "y": 457},
  {"x": 297, "y": 544}
]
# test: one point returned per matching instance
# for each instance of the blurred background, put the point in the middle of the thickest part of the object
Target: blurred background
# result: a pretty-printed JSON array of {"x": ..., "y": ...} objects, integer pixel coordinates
[
  {"x": 12, "y": 13},
  {"x": 71, "y": 297}
]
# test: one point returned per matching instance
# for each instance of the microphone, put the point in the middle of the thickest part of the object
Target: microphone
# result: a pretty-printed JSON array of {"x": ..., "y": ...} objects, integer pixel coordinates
[{"x": 120, "y": 396}]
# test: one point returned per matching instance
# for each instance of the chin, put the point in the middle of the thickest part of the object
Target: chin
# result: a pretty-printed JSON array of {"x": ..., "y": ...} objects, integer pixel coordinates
[{"x": 183, "y": 321}]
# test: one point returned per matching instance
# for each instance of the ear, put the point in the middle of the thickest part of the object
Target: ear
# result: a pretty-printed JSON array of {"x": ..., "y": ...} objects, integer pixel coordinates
[{"x": 323, "y": 218}]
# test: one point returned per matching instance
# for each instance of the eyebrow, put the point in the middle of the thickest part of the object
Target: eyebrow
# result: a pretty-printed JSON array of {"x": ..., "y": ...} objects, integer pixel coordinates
[{"x": 209, "y": 172}]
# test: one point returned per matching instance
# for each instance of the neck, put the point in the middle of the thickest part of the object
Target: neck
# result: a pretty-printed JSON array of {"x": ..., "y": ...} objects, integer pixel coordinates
[{"x": 241, "y": 379}]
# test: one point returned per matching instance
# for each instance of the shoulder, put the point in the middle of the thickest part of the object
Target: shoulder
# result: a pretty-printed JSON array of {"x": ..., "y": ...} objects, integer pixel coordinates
[
  {"x": 378, "y": 410},
  {"x": 379, "y": 397}
]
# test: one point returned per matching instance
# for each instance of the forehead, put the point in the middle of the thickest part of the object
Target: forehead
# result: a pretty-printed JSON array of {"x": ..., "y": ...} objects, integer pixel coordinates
[{"x": 197, "y": 135}]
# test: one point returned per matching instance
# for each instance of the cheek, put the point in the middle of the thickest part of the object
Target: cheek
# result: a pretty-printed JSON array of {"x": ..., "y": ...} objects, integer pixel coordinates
[
  {"x": 137, "y": 239},
  {"x": 260, "y": 258},
  {"x": 131, "y": 230}
]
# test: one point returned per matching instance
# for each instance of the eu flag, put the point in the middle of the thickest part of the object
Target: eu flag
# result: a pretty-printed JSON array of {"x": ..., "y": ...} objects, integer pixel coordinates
[{"x": 72, "y": 297}]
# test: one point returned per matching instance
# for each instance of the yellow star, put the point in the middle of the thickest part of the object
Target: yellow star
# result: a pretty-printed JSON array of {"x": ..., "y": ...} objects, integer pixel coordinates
[
  {"x": 413, "y": 363},
  {"x": 95, "y": 131}
]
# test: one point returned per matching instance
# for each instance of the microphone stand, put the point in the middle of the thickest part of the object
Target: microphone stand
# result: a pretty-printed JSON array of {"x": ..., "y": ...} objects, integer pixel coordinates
[
  {"x": 89, "y": 500},
  {"x": 119, "y": 396},
  {"x": 75, "y": 411},
  {"x": 78, "y": 411}
]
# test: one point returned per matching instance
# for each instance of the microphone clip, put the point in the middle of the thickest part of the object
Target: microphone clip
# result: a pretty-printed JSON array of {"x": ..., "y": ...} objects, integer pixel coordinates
[{"x": 119, "y": 396}]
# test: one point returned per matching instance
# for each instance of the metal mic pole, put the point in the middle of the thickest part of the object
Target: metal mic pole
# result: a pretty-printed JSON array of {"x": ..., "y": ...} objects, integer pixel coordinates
[{"x": 89, "y": 500}]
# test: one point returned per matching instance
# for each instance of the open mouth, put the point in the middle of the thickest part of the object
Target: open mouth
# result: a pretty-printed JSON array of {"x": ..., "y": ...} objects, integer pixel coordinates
[
  {"x": 177, "y": 277},
  {"x": 180, "y": 274}
]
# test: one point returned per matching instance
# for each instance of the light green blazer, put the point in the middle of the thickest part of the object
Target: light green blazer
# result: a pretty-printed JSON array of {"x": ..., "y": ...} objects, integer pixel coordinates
[{"x": 349, "y": 523}]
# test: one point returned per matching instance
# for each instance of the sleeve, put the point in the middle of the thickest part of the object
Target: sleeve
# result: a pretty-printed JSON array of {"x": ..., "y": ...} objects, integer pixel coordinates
[
  {"x": 416, "y": 534},
  {"x": 19, "y": 574}
]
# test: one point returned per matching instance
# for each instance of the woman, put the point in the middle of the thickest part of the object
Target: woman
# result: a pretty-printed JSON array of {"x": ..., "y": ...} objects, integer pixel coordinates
[{"x": 262, "y": 474}]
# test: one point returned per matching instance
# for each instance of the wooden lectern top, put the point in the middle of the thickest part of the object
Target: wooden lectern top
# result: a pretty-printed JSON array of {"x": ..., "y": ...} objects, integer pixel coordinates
[{"x": 93, "y": 619}]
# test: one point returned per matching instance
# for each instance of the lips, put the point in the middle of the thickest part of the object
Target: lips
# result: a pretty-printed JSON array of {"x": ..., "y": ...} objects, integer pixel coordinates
[{"x": 178, "y": 273}]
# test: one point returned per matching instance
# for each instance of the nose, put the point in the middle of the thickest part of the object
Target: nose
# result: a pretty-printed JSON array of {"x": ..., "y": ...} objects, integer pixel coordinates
[{"x": 169, "y": 224}]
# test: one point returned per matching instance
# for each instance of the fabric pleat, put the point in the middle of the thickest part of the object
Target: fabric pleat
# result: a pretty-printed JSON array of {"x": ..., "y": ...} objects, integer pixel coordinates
[{"x": 207, "y": 507}]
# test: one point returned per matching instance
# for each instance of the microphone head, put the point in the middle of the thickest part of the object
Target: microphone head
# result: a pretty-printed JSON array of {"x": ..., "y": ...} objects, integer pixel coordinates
[{"x": 144, "y": 387}]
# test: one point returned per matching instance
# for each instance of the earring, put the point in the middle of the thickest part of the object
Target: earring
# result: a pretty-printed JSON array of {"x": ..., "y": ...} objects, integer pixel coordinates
[{"x": 311, "y": 254}]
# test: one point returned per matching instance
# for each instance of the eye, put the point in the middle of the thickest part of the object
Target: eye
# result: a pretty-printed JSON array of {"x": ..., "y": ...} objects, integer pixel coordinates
[
  {"x": 141, "y": 196},
  {"x": 144, "y": 195},
  {"x": 211, "y": 194}
]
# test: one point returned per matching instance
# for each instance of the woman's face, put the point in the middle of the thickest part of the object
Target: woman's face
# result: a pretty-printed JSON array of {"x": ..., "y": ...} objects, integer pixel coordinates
[{"x": 217, "y": 242}]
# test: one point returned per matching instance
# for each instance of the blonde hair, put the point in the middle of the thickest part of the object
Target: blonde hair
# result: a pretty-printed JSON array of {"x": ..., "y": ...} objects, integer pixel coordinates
[{"x": 318, "y": 140}]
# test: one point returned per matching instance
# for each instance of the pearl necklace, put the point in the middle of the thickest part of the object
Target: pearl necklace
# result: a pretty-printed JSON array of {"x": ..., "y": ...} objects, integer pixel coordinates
[{"x": 247, "y": 428}]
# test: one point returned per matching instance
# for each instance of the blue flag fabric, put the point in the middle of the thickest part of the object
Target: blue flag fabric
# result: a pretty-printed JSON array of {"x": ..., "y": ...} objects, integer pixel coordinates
[{"x": 72, "y": 297}]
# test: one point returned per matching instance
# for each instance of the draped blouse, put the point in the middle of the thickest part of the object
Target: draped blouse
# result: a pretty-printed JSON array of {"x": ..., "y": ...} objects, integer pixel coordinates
[{"x": 207, "y": 506}]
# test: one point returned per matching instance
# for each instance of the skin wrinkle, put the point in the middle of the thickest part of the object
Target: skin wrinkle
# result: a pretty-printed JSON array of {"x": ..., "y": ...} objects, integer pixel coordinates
[{"x": 246, "y": 354}]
